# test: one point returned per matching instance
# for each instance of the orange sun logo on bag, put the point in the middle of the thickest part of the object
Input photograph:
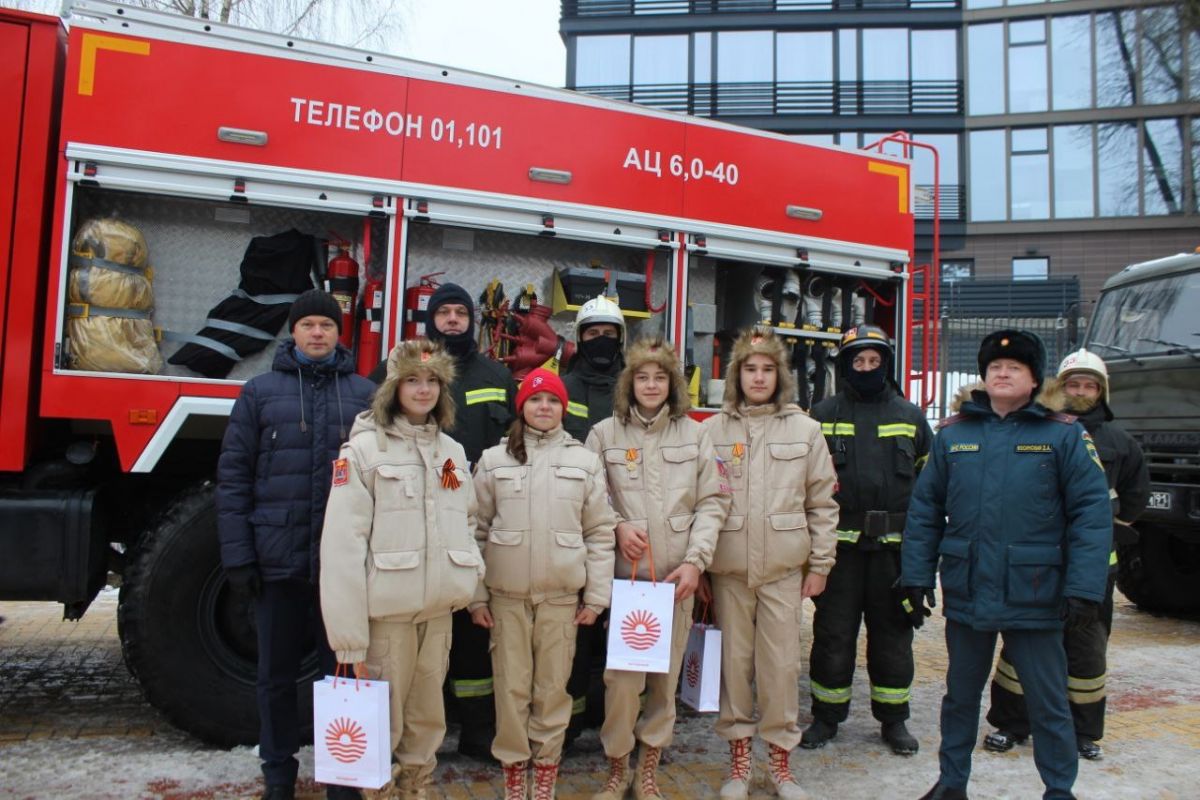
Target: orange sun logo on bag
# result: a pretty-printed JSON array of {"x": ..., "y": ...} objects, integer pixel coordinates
[
  {"x": 640, "y": 630},
  {"x": 345, "y": 740},
  {"x": 693, "y": 669}
]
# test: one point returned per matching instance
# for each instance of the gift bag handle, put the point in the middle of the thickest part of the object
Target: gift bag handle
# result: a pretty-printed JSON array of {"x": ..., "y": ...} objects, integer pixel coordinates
[
  {"x": 705, "y": 613},
  {"x": 649, "y": 558},
  {"x": 343, "y": 671}
]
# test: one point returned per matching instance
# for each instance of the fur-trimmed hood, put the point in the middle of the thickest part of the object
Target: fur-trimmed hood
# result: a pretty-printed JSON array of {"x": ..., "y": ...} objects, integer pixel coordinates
[
  {"x": 404, "y": 360},
  {"x": 645, "y": 351},
  {"x": 1050, "y": 396},
  {"x": 755, "y": 341}
]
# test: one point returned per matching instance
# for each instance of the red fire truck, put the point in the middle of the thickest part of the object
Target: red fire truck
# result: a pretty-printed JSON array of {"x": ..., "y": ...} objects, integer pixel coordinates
[{"x": 188, "y": 142}]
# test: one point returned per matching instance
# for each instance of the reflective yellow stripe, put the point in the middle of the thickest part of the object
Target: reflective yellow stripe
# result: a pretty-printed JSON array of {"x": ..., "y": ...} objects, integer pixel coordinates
[
  {"x": 492, "y": 395},
  {"x": 837, "y": 428},
  {"x": 898, "y": 429},
  {"x": 1006, "y": 677},
  {"x": 1112, "y": 558},
  {"x": 1082, "y": 691},
  {"x": 827, "y": 695},
  {"x": 891, "y": 538},
  {"x": 895, "y": 697},
  {"x": 848, "y": 536},
  {"x": 577, "y": 410},
  {"x": 920, "y": 462},
  {"x": 578, "y": 705},
  {"x": 481, "y": 687}
]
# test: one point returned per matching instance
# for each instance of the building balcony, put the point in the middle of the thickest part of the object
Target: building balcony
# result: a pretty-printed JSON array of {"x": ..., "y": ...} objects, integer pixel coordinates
[{"x": 621, "y": 8}]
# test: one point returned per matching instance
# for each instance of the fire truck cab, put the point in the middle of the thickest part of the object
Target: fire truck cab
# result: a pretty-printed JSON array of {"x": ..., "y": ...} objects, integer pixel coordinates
[{"x": 194, "y": 141}]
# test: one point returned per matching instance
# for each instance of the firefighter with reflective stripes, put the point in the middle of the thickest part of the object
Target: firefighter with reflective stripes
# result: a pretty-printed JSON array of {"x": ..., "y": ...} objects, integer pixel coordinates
[
  {"x": 878, "y": 441},
  {"x": 484, "y": 394},
  {"x": 1083, "y": 389},
  {"x": 590, "y": 380}
]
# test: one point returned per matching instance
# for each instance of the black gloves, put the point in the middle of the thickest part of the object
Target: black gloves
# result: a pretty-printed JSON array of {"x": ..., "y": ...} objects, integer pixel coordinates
[
  {"x": 245, "y": 579},
  {"x": 1080, "y": 613},
  {"x": 916, "y": 602}
]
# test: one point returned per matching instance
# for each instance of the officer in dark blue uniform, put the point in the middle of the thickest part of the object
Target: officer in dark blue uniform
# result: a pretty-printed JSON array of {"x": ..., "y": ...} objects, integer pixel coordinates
[{"x": 1014, "y": 505}]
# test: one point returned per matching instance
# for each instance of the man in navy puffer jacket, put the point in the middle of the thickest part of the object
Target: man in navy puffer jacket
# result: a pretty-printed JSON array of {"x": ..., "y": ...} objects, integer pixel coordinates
[
  {"x": 273, "y": 480},
  {"x": 1014, "y": 505}
]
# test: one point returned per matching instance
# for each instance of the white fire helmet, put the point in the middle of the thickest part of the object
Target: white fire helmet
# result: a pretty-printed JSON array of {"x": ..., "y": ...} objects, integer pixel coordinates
[
  {"x": 1087, "y": 362},
  {"x": 599, "y": 309}
]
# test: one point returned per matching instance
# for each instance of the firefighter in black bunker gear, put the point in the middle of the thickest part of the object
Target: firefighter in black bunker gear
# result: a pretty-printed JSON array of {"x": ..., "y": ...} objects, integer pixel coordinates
[
  {"x": 1083, "y": 384},
  {"x": 484, "y": 395},
  {"x": 878, "y": 441}
]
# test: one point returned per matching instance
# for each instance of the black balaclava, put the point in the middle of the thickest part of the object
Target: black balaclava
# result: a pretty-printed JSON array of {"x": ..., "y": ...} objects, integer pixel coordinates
[
  {"x": 870, "y": 383},
  {"x": 601, "y": 352},
  {"x": 459, "y": 345}
]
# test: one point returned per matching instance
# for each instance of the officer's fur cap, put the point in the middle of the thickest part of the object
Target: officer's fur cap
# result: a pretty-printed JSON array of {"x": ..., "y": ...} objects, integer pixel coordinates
[
  {"x": 645, "y": 351},
  {"x": 755, "y": 341},
  {"x": 406, "y": 359},
  {"x": 1025, "y": 347}
]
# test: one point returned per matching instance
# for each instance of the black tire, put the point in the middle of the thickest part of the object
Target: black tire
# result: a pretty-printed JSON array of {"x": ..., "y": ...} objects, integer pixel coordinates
[
  {"x": 1160, "y": 572},
  {"x": 187, "y": 636}
]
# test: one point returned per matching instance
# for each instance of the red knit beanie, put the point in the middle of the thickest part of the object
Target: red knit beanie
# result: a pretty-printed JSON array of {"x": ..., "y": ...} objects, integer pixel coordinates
[{"x": 541, "y": 380}]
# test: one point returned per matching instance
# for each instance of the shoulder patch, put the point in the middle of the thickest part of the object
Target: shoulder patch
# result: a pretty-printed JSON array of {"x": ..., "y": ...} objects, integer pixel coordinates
[
  {"x": 950, "y": 420},
  {"x": 1091, "y": 449},
  {"x": 341, "y": 472},
  {"x": 1059, "y": 416}
]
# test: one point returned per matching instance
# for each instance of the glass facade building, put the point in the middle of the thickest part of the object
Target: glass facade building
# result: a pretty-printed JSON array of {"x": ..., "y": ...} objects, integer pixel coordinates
[{"x": 1068, "y": 131}]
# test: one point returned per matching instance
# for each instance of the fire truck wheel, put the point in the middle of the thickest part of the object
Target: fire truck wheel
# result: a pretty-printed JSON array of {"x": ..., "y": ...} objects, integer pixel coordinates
[
  {"x": 187, "y": 635},
  {"x": 1158, "y": 572}
]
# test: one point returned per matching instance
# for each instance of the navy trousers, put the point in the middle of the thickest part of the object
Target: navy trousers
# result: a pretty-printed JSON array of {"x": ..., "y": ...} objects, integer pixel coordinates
[
  {"x": 1041, "y": 662},
  {"x": 288, "y": 617}
]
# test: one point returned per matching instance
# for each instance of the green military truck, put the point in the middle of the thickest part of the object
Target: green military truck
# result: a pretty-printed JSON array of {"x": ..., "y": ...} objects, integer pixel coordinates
[{"x": 1147, "y": 329}]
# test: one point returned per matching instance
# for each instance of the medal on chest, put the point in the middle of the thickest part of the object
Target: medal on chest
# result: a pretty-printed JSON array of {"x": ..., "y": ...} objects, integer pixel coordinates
[
  {"x": 631, "y": 462},
  {"x": 739, "y": 455}
]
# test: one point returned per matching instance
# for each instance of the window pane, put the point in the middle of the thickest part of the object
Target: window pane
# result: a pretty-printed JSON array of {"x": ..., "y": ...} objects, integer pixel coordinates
[
  {"x": 848, "y": 55},
  {"x": 602, "y": 61},
  {"x": 1162, "y": 54},
  {"x": 1031, "y": 186},
  {"x": 1116, "y": 149},
  {"x": 1030, "y": 269},
  {"x": 988, "y": 180},
  {"x": 745, "y": 57},
  {"x": 702, "y": 42},
  {"x": 1071, "y": 57},
  {"x": 1162, "y": 167},
  {"x": 984, "y": 3},
  {"x": 885, "y": 54},
  {"x": 962, "y": 269},
  {"x": 815, "y": 138},
  {"x": 660, "y": 59},
  {"x": 1073, "y": 171},
  {"x": 934, "y": 55},
  {"x": 985, "y": 69},
  {"x": 1029, "y": 140},
  {"x": 804, "y": 56},
  {"x": 1027, "y": 78},
  {"x": 947, "y": 150},
  {"x": 1116, "y": 59},
  {"x": 1031, "y": 31}
]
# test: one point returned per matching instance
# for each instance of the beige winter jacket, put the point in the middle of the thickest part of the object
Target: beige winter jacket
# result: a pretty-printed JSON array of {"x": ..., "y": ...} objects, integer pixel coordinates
[
  {"x": 545, "y": 527},
  {"x": 397, "y": 545},
  {"x": 784, "y": 517},
  {"x": 663, "y": 478}
]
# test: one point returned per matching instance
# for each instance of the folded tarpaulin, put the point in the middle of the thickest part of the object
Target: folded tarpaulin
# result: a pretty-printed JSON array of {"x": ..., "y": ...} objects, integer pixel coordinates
[{"x": 274, "y": 270}]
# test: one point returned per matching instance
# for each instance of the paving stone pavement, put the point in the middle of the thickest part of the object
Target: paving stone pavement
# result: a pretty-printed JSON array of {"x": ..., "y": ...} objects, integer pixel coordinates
[{"x": 73, "y": 724}]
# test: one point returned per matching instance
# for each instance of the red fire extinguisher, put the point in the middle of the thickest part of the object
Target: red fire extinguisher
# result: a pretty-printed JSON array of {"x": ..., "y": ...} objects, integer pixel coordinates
[
  {"x": 341, "y": 281},
  {"x": 370, "y": 328},
  {"x": 416, "y": 302}
]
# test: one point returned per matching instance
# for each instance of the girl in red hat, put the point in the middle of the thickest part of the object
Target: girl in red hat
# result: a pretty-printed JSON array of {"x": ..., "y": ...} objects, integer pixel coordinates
[{"x": 546, "y": 531}]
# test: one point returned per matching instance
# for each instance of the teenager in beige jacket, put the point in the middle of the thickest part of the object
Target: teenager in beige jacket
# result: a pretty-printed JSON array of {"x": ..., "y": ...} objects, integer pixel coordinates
[
  {"x": 666, "y": 492},
  {"x": 546, "y": 531},
  {"x": 398, "y": 552},
  {"x": 776, "y": 548}
]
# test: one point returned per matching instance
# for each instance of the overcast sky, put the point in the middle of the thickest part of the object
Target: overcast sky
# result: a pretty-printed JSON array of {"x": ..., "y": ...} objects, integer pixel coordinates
[{"x": 510, "y": 38}]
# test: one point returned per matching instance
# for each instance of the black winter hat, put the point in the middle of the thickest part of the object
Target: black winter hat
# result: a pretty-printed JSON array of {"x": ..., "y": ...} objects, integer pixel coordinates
[
  {"x": 315, "y": 302},
  {"x": 450, "y": 293},
  {"x": 1023, "y": 346}
]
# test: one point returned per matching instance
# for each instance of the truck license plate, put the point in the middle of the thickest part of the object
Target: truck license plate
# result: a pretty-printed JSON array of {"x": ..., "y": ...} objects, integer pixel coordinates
[{"x": 1160, "y": 500}]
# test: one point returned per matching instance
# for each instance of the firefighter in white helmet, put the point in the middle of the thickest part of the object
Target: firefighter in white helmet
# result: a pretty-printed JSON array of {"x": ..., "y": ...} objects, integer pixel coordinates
[
  {"x": 590, "y": 380},
  {"x": 1083, "y": 384}
]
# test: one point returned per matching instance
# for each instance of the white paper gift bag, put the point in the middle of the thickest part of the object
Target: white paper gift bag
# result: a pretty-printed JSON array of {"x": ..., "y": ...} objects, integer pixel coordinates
[
  {"x": 639, "y": 626},
  {"x": 700, "y": 676},
  {"x": 352, "y": 739}
]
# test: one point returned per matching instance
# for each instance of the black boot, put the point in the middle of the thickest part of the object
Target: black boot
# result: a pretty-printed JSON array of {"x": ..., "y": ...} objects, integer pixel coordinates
[
  {"x": 279, "y": 791},
  {"x": 1089, "y": 749},
  {"x": 899, "y": 739},
  {"x": 1002, "y": 741},
  {"x": 342, "y": 793},
  {"x": 478, "y": 727},
  {"x": 942, "y": 792},
  {"x": 818, "y": 734}
]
